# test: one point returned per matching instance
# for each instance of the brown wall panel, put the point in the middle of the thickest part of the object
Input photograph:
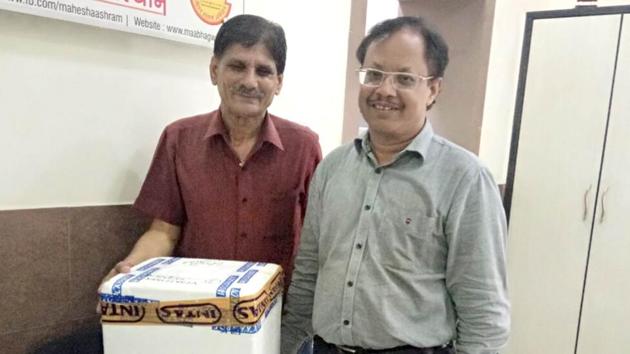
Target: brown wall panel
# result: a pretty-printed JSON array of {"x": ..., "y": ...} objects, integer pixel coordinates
[{"x": 52, "y": 261}]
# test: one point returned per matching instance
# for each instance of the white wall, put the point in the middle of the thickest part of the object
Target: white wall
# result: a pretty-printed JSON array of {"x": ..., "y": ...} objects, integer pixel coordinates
[
  {"x": 314, "y": 79},
  {"x": 379, "y": 10},
  {"x": 505, "y": 56},
  {"x": 81, "y": 108}
]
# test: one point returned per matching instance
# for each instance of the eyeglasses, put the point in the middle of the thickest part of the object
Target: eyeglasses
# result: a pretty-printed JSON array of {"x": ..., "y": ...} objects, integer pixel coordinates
[{"x": 401, "y": 81}]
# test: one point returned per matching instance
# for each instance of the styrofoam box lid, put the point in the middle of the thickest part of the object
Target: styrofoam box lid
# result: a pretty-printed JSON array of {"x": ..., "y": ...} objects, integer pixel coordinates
[{"x": 181, "y": 279}]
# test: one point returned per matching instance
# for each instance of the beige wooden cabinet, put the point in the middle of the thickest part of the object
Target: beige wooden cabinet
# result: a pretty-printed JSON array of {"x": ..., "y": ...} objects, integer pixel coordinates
[{"x": 568, "y": 188}]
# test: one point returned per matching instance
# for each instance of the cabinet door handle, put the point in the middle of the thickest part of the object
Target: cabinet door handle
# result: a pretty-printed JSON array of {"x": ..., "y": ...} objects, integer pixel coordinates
[
  {"x": 603, "y": 213},
  {"x": 588, "y": 191}
]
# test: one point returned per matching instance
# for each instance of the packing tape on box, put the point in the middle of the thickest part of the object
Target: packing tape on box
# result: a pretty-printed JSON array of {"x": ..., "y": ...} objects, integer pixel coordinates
[{"x": 229, "y": 311}]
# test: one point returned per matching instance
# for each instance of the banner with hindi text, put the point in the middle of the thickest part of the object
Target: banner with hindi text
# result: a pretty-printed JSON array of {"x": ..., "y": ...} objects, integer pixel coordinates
[{"x": 190, "y": 21}]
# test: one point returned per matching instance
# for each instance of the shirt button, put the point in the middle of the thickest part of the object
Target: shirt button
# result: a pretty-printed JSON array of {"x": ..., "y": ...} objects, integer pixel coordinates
[
  {"x": 378, "y": 170},
  {"x": 244, "y": 200},
  {"x": 350, "y": 284},
  {"x": 359, "y": 246},
  {"x": 346, "y": 322},
  {"x": 244, "y": 235},
  {"x": 367, "y": 207}
]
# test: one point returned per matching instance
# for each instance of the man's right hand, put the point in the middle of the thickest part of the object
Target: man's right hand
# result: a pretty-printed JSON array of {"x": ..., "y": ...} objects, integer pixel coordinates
[
  {"x": 120, "y": 267},
  {"x": 158, "y": 241}
]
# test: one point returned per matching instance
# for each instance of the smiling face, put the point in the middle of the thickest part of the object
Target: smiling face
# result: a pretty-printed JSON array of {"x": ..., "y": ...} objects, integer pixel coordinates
[
  {"x": 247, "y": 80},
  {"x": 397, "y": 114}
]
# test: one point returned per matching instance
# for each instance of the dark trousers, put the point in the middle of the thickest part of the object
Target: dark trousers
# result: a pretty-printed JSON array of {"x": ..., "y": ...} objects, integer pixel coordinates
[{"x": 322, "y": 347}]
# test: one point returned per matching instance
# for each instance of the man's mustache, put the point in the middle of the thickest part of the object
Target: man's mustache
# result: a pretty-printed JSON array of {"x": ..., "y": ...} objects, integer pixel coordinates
[{"x": 247, "y": 92}]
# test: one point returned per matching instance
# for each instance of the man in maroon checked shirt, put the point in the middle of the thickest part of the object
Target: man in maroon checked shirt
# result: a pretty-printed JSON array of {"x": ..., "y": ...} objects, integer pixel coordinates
[{"x": 231, "y": 184}]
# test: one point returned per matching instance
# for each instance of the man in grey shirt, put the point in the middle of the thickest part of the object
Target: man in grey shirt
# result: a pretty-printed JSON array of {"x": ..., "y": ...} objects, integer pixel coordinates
[{"x": 403, "y": 245}]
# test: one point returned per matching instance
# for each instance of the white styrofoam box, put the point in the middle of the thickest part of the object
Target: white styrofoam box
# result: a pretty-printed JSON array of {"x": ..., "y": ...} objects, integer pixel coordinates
[{"x": 188, "y": 305}]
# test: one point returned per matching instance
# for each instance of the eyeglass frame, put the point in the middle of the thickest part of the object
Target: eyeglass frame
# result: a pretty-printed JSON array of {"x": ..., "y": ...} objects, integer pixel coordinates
[{"x": 387, "y": 74}]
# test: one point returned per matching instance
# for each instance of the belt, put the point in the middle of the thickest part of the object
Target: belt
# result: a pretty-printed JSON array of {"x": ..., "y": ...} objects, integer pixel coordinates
[{"x": 319, "y": 342}]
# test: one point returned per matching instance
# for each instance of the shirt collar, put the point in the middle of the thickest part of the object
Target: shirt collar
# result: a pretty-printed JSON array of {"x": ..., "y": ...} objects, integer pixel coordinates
[
  {"x": 268, "y": 131},
  {"x": 420, "y": 144}
]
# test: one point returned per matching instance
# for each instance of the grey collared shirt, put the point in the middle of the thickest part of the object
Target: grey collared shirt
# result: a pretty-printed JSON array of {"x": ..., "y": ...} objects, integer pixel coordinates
[{"x": 412, "y": 252}]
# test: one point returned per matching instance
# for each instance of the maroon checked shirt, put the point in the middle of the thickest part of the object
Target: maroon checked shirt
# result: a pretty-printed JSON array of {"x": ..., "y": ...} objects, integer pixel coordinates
[{"x": 252, "y": 212}]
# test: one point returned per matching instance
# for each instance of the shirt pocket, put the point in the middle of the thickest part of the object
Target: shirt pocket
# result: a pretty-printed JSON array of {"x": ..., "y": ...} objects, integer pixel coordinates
[{"x": 412, "y": 240}]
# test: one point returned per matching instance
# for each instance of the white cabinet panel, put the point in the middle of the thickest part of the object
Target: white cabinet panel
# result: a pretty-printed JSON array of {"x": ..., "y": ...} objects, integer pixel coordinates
[
  {"x": 605, "y": 325},
  {"x": 566, "y": 100}
]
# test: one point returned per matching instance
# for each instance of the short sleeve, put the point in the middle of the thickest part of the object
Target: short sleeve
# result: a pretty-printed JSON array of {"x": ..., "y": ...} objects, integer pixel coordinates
[{"x": 160, "y": 196}]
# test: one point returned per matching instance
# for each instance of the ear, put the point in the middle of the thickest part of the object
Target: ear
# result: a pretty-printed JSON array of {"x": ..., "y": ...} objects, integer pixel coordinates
[
  {"x": 214, "y": 65},
  {"x": 435, "y": 87},
  {"x": 280, "y": 78}
]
